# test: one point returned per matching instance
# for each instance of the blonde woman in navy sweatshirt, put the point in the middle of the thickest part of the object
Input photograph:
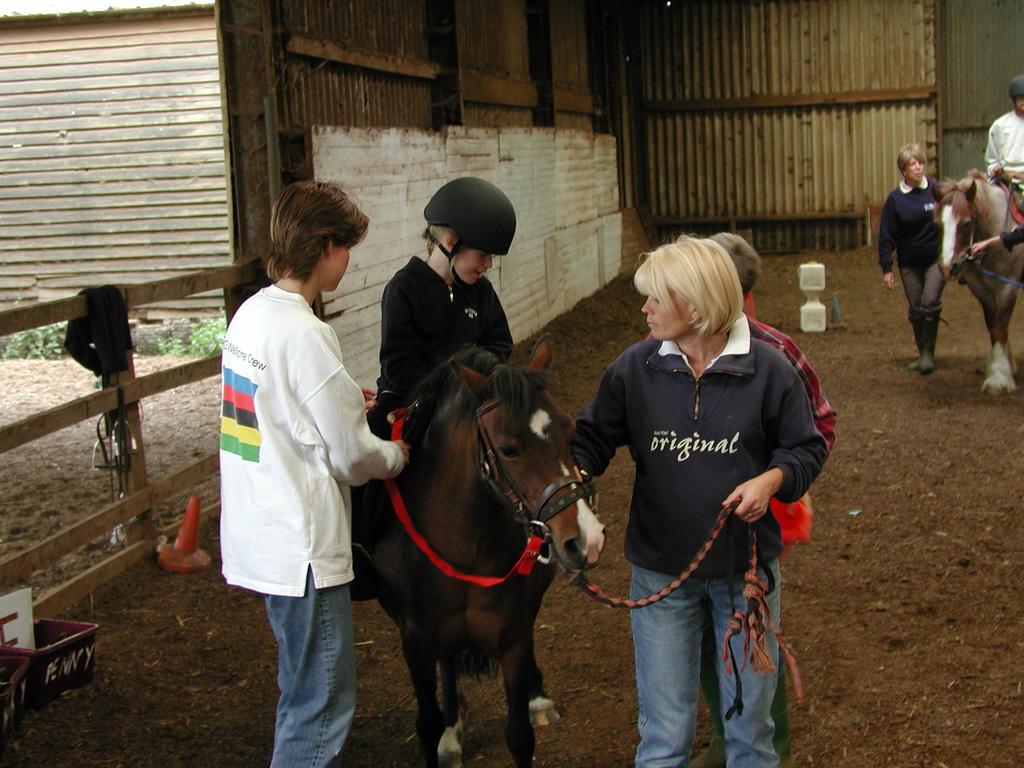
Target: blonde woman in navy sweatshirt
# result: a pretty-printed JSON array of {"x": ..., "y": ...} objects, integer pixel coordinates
[
  {"x": 908, "y": 227},
  {"x": 712, "y": 418}
]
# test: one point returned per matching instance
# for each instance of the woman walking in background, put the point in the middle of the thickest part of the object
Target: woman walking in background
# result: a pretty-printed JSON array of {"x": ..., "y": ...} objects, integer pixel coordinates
[{"x": 908, "y": 227}]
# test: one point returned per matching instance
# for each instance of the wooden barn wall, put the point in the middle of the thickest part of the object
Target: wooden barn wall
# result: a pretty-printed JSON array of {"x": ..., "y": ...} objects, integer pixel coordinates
[
  {"x": 564, "y": 186},
  {"x": 493, "y": 42},
  {"x": 293, "y": 64},
  {"x": 570, "y": 74},
  {"x": 974, "y": 87},
  {"x": 315, "y": 91},
  {"x": 785, "y": 116},
  {"x": 111, "y": 157}
]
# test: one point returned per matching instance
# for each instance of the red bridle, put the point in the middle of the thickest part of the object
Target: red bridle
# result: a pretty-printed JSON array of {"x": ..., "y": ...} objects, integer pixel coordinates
[{"x": 491, "y": 471}]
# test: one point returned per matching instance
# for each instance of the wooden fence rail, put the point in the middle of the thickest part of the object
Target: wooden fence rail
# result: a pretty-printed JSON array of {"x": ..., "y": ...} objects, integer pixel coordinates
[
  {"x": 143, "y": 494},
  {"x": 38, "y": 425},
  {"x": 59, "y": 310}
]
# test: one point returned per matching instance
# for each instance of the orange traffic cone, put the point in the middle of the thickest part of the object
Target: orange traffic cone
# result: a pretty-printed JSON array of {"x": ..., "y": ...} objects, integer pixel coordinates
[{"x": 185, "y": 556}]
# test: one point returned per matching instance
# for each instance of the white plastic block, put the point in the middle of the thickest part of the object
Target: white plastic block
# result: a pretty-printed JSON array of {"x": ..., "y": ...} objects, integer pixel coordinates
[{"x": 812, "y": 276}]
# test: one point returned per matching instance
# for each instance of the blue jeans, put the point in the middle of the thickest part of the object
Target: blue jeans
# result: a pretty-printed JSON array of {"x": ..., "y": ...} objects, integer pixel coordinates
[
  {"x": 316, "y": 674},
  {"x": 667, "y": 644}
]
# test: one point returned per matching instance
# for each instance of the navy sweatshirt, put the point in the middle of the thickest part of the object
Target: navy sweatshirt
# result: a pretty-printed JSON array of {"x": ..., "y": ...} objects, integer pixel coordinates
[
  {"x": 693, "y": 442},
  {"x": 908, "y": 227},
  {"x": 421, "y": 325}
]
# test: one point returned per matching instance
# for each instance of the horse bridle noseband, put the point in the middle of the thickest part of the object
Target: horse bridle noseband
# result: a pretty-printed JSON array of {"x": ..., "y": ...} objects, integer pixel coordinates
[
  {"x": 534, "y": 519},
  {"x": 967, "y": 257},
  {"x": 552, "y": 499}
]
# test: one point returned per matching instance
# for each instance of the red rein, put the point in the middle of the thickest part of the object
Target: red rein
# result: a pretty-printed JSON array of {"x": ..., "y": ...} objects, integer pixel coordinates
[{"x": 523, "y": 566}]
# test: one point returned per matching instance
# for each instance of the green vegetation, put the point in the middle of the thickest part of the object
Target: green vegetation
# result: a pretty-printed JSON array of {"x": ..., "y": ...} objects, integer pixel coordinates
[
  {"x": 45, "y": 342},
  {"x": 205, "y": 339}
]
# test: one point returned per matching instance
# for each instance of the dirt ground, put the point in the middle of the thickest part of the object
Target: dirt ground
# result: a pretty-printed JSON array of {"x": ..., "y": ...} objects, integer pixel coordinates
[{"x": 904, "y": 611}]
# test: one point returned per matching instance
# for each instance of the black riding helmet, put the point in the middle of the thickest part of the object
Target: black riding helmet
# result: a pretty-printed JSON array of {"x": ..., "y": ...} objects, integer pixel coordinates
[
  {"x": 1017, "y": 86},
  {"x": 478, "y": 212}
]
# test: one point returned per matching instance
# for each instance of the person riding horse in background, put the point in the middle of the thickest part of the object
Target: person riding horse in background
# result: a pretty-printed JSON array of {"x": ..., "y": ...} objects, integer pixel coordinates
[
  {"x": 293, "y": 439},
  {"x": 430, "y": 308},
  {"x": 745, "y": 433},
  {"x": 908, "y": 227},
  {"x": 748, "y": 267},
  {"x": 1004, "y": 154}
]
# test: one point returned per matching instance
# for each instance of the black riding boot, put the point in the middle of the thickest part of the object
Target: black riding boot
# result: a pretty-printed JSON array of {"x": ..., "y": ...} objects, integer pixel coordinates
[
  {"x": 929, "y": 332},
  {"x": 917, "y": 324}
]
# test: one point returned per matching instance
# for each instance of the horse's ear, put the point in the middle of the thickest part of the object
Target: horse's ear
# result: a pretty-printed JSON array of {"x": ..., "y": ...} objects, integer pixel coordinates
[
  {"x": 540, "y": 357},
  {"x": 941, "y": 189},
  {"x": 477, "y": 382},
  {"x": 971, "y": 191}
]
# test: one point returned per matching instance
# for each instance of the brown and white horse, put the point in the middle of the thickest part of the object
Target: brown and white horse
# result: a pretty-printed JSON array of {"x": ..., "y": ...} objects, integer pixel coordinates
[{"x": 969, "y": 211}]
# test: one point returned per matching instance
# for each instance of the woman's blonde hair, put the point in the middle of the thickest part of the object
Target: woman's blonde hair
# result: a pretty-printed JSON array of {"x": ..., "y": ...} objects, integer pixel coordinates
[
  {"x": 908, "y": 152},
  {"x": 699, "y": 272}
]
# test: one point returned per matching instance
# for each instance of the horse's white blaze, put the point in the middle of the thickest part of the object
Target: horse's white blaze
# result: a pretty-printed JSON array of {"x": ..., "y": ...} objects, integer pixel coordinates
[
  {"x": 948, "y": 236},
  {"x": 590, "y": 527},
  {"x": 539, "y": 423},
  {"x": 1000, "y": 372}
]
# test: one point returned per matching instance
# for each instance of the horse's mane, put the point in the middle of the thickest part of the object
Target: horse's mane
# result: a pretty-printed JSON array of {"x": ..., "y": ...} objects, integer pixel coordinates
[
  {"x": 987, "y": 204},
  {"x": 954, "y": 194},
  {"x": 517, "y": 388}
]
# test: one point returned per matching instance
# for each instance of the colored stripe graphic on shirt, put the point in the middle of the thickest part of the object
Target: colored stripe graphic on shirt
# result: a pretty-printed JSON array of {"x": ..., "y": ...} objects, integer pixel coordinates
[{"x": 239, "y": 430}]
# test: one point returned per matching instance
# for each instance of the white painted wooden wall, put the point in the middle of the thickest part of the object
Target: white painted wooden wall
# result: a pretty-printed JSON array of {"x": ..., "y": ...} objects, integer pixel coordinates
[{"x": 563, "y": 184}]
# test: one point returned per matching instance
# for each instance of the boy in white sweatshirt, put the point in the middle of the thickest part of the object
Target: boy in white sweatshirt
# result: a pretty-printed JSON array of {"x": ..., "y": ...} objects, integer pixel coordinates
[{"x": 294, "y": 439}]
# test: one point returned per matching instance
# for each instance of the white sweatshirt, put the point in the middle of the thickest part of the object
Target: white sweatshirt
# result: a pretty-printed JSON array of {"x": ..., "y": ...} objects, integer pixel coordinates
[
  {"x": 1006, "y": 144},
  {"x": 293, "y": 440}
]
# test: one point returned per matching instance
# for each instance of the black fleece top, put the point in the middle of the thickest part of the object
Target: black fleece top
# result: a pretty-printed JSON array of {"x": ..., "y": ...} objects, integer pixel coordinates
[
  {"x": 908, "y": 227},
  {"x": 693, "y": 442},
  {"x": 1013, "y": 238},
  {"x": 422, "y": 324}
]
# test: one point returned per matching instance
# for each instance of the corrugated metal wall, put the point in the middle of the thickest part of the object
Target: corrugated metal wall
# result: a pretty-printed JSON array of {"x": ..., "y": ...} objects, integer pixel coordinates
[
  {"x": 980, "y": 53},
  {"x": 784, "y": 115},
  {"x": 111, "y": 155}
]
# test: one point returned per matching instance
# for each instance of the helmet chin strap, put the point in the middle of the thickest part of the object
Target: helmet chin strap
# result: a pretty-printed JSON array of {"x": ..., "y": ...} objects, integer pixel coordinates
[
  {"x": 451, "y": 257},
  {"x": 450, "y": 254}
]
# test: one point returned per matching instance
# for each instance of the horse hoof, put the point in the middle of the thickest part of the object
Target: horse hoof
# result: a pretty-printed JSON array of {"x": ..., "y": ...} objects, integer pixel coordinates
[
  {"x": 543, "y": 712},
  {"x": 449, "y": 748},
  {"x": 995, "y": 388}
]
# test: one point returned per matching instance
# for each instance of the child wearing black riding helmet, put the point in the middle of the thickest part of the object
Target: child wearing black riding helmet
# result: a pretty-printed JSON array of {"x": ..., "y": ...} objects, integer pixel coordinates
[
  {"x": 430, "y": 308},
  {"x": 433, "y": 306}
]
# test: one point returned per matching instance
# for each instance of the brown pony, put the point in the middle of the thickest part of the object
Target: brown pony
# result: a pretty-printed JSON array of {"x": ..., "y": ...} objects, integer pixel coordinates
[
  {"x": 968, "y": 211},
  {"x": 492, "y": 465}
]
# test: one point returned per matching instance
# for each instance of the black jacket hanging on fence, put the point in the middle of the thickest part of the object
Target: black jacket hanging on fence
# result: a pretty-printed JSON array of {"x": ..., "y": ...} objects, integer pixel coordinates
[{"x": 101, "y": 340}]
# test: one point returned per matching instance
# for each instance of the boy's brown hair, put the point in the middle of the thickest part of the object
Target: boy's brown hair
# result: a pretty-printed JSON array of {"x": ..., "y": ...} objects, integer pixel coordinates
[{"x": 307, "y": 217}]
